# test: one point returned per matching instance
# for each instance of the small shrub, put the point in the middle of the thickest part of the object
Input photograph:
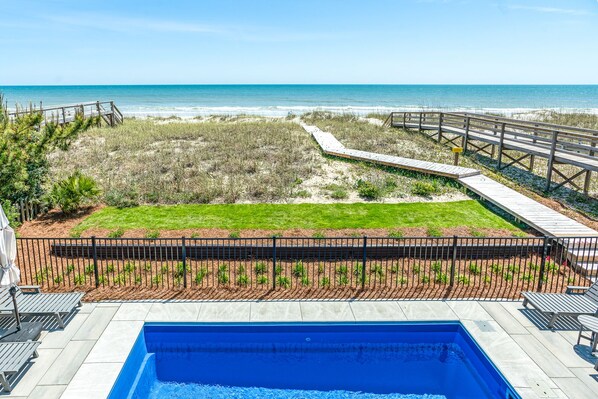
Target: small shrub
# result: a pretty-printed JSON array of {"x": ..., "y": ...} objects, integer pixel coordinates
[
  {"x": 513, "y": 269},
  {"x": 495, "y": 268},
  {"x": 278, "y": 270},
  {"x": 70, "y": 268},
  {"x": 436, "y": 267},
  {"x": 358, "y": 269},
  {"x": 58, "y": 279},
  {"x": 395, "y": 234},
  {"x": 283, "y": 282},
  {"x": 416, "y": 269},
  {"x": 368, "y": 190},
  {"x": 260, "y": 268},
  {"x": 118, "y": 233},
  {"x": 325, "y": 282},
  {"x": 318, "y": 234},
  {"x": 241, "y": 269},
  {"x": 434, "y": 232},
  {"x": 152, "y": 234},
  {"x": 299, "y": 270},
  {"x": 342, "y": 270},
  {"x": 120, "y": 279},
  {"x": 477, "y": 233},
  {"x": 89, "y": 269},
  {"x": 234, "y": 234},
  {"x": 129, "y": 267},
  {"x": 394, "y": 269},
  {"x": 147, "y": 267},
  {"x": 474, "y": 268},
  {"x": 262, "y": 280},
  {"x": 179, "y": 270},
  {"x": 377, "y": 270},
  {"x": 302, "y": 194},
  {"x": 441, "y": 278},
  {"x": 305, "y": 281},
  {"x": 79, "y": 279},
  {"x": 425, "y": 188},
  {"x": 164, "y": 269},
  {"x": 156, "y": 280},
  {"x": 73, "y": 192},
  {"x": 533, "y": 266},
  {"x": 223, "y": 278},
  {"x": 195, "y": 235},
  {"x": 339, "y": 193},
  {"x": 243, "y": 280},
  {"x": 320, "y": 268},
  {"x": 508, "y": 276},
  {"x": 527, "y": 277},
  {"x": 102, "y": 279},
  {"x": 200, "y": 275},
  {"x": 425, "y": 279},
  {"x": 463, "y": 279},
  {"x": 552, "y": 267},
  {"x": 487, "y": 279},
  {"x": 122, "y": 199},
  {"x": 343, "y": 280},
  {"x": 137, "y": 280},
  {"x": 110, "y": 268}
]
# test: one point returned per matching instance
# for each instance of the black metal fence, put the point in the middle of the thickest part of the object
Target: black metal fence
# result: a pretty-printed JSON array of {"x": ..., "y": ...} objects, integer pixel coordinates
[{"x": 312, "y": 267}]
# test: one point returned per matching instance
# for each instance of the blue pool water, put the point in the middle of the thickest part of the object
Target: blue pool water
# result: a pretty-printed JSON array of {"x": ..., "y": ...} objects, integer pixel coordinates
[{"x": 311, "y": 361}]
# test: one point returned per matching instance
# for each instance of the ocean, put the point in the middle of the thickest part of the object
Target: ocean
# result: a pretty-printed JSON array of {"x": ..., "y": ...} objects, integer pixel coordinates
[{"x": 280, "y": 100}]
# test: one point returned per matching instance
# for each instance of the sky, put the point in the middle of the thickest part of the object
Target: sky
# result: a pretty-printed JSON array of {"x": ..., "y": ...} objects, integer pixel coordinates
[{"x": 73, "y": 42}]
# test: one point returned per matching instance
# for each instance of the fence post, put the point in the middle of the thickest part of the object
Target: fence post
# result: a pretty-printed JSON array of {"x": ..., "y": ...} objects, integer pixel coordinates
[
  {"x": 184, "y": 260},
  {"x": 551, "y": 160},
  {"x": 542, "y": 263},
  {"x": 365, "y": 259},
  {"x": 466, "y": 137},
  {"x": 500, "y": 146},
  {"x": 94, "y": 254},
  {"x": 274, "y": 262},
  {"x": 440, "y": 127},
  {"x": 453, "y": 262}
]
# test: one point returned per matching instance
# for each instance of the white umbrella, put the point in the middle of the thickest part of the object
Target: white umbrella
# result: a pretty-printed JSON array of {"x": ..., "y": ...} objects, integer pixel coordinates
[{"x": 9, "y": 272}]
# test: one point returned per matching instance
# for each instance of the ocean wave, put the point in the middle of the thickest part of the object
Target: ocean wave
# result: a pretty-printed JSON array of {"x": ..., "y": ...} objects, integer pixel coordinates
[{"x": 281, "y": 111}]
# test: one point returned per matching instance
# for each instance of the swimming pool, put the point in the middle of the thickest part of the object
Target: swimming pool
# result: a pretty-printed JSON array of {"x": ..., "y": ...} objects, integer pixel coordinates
[{"x": 311, "y": 361}]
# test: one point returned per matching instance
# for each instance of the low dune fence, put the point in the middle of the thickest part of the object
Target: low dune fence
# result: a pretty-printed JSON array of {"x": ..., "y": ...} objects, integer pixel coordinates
[{"x": 406, "y": 267}]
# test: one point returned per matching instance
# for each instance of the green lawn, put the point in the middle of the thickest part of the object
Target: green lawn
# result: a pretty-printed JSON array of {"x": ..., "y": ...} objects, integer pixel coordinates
[{"x": 303, "y": 216}]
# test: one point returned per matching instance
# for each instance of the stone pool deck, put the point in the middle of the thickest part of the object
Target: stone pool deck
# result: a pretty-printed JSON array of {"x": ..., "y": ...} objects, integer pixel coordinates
[{"x": 84, "y": 359}]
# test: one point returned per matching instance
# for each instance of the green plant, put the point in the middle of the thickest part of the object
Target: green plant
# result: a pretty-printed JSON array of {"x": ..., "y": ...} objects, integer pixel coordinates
[
  {"x": 513, "y": 269},
  {"x": 234, "y": 234},
  {"x": 434, "y": 232},
  {"x": 416, "y": 268},
  {"x": 110, "y": 268},
  {"x": 320, "y": 268},
  {"x": 260, "y": 268},
  {"x": 195, "y": 235},
  {"x": 441, "y": 278},
  {"x": 200, "y": 275},
  {"x": 533, "y": 266},
  {"x": 137, "y": 279},
  {"x": 508, "y": 276},
  {"x": 395, "y": 234},
  {"x": 463, "y": 279},
  {"x": 164, "y": 269},
  {"x": 262, "y": 280},
  {"x": 358, "y": 269},
  {"x": 223, "y": 277},
  {"x": 394, "y": 269},
  {"x": 121, "y": 199},
  {"x": 278, "y": 270},
  {"x": 147, "y": 267},
  {"x": 318, "y": 234},
  {"x": 552, "y": 267},
  {"x": 368, "y": 190},
  {"x": 241, "y": 269},
  {"x": 89, "y": 269},
  {"x": 305, "y": 281},
  {"x": 299, "y": 269},
  {"x": 179, "y": 270},
  {"x": 243, "y": 280},
  {"x": 152, "y": 234},
  {"x": 156, "y": 280},
  {"x": 118, "y": 233},
  {"x": 120, "y": 279},
  {"x": 475, "y": 269},
  {"x": 425, "y": 280},
  {"x": 325, "y": 282},
  {"x": 487, "y": 279},
  {"x": 342, "y": 270},
  {"x": 70, "y": 268},
  {"x": 302, "y": 194},
  {"x": 496, "y": 268},
  {"x": 283, "y": 282},
  {"x": 425, "y": 188},
  {"x": 58, "y": 279},
  {"x": 129, "y": 267},
  {"x": 436, "y": 266},
  {"x": 401, "y": 280},
  {"x": 102, "y": 279},
  {"x": 378, "y": 270},
  {"x": 477, "y": 233},
  {"x": 73, "y": 192},
  {"x": 527, "y": 277},
  {"x": 343, "y": 279},
  {"x": 337, "y": 192},
  {"x": 79, "y": 279}
]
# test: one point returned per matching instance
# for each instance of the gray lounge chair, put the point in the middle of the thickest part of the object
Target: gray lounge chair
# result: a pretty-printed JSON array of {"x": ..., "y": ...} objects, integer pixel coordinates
[
  {"x": 13, "y": 357},
  {"x": 576, "y": 301},
  {"x": 32, "y": 302}
]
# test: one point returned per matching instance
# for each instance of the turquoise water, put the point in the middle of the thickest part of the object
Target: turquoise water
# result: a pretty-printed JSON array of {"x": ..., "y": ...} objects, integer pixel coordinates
[{"x": 189, "y": 100}]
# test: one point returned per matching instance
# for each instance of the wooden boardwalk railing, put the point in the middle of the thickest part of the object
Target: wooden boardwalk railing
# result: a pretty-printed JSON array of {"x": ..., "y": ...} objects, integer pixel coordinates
[
  {"x": 106, "y": 110},
  {"x": 512, "y": 142}
]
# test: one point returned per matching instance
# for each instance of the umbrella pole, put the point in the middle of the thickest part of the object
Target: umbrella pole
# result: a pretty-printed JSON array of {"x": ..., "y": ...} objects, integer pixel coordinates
[{"x": 13, "y": 292}]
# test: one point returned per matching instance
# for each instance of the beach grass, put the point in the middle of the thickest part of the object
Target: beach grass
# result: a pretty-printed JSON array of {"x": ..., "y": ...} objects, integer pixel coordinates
[{"x": 235, "y": 217}]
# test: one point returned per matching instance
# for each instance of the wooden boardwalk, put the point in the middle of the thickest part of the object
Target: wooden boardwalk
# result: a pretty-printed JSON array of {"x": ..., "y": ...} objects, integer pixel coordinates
[
  {"x": 107, "y": 112},
  {"x": 540, "y": 217},
  {"x": 514, "y": 142}
]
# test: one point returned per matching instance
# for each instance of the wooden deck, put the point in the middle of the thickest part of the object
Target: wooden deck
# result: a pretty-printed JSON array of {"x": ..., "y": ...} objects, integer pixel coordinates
[{"x": 513, "y": 142}]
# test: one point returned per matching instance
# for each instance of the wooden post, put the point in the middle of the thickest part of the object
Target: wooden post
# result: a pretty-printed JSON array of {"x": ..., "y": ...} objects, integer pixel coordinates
[
  {"x": 440, "y": 127},
  {"x": 63, "y": 116},
  {"x": 99, "y": 117},
  {"x": 112, "y": 113},
  {"x": 404, "y": 120},
  {"x": 586, "y": 184},
  {"x": 500, "y": 146},
  {"x": 551, "y": 160},
  {"x": 532, "y": 158},
  {"x": 419, "y": 126},
  {"x": 466, "y": 137}
]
